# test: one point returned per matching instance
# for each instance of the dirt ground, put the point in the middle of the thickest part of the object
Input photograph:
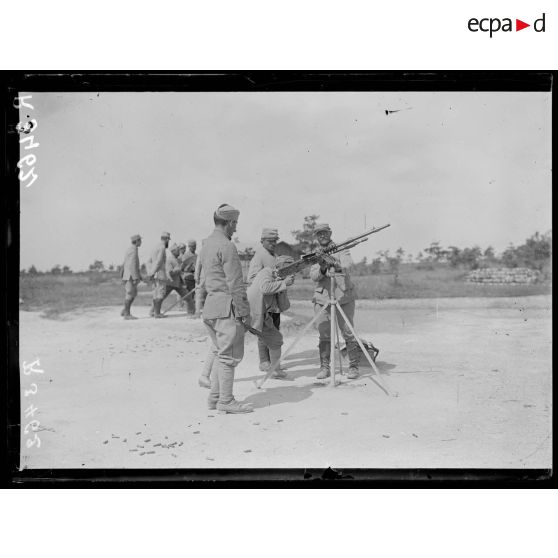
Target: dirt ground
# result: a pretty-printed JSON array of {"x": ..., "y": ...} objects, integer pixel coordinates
[{"x": 472, "y": 376}]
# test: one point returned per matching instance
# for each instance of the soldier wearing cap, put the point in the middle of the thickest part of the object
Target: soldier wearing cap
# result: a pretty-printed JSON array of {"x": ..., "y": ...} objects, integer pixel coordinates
[
  {"x": 131, "y": 276},
  {"x": 226, "y": 309},
  {"x": 188, "y": 261},
  {"x": 173, "y": 271},
  {"x": 264, "y": 256},
  {"x": 156, "y": 266},
  {"x": 267, "y": 296},
  {"x": 345, "y": 294}
]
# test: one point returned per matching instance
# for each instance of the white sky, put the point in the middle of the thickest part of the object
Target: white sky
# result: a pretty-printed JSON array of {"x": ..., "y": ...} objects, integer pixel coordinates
[{"x": 459, "y": 168}]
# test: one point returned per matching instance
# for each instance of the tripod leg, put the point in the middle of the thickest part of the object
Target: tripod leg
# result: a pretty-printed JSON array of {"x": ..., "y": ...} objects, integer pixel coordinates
[
  {"x": 292, "y": 346},
  {"x": 381, "y": 381},
  {"x": 332, "y": 331},
  {"x": 338, "y": 347}
]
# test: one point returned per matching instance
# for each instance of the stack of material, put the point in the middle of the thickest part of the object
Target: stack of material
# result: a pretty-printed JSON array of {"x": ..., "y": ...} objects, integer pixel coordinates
[{"x": 501, "y": 276}]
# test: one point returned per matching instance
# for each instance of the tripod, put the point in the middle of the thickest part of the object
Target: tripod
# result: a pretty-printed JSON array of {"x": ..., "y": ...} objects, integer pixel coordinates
[{"x": 334, "y": 306}]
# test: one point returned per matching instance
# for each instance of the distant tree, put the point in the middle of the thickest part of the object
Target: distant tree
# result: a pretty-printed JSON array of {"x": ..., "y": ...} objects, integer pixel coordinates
[
  {"x": 32, "y": 270},
  {"x": 376, "y": 266},
  {"x": 22, "y": 272},
  {"x": 111, "y": 267},
  {"x": 470, "y": 257},
  {"x": 56, "y": 270},
  {"x": 534, "y": 253},
  {"x": 410, "y": 258},
  {"x": 305, "y": 236},
  {"x": 454, "y": 256},
  {"x": 97, "y": 265},
  {"x": 66, "y": 270}
]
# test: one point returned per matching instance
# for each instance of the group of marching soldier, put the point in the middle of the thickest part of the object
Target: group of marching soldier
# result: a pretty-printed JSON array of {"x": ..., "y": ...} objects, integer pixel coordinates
[
  {"x": 229, "y": 307},
  {"x": 169, "y": 269}
]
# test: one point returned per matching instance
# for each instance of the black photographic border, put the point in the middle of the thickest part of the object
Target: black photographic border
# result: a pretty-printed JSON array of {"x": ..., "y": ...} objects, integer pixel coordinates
[{"x": 248, "y": 81}]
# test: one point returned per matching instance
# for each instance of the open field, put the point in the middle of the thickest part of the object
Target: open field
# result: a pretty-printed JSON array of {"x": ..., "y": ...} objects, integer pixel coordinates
[
  {"x": 473, "y": 378},
  {"x": 54, "y": 295}
]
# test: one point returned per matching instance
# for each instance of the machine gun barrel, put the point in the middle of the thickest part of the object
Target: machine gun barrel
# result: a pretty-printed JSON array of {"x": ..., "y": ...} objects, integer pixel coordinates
[{"x": 313, "y": 258}]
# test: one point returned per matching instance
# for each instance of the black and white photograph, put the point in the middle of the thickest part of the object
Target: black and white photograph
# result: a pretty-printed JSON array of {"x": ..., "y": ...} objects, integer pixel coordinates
[{"x": 263, "y": 278}]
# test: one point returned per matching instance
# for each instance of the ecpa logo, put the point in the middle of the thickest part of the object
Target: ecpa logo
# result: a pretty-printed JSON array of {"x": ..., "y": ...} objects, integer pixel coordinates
[{"x": 492, "y": 25}]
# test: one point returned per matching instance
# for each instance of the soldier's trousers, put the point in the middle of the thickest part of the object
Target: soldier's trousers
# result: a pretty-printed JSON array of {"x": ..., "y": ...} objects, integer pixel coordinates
[
  {"x": 159, "y": 289},
  {"x": 228, "y": 337},
  {"x": 271, "y": 336},
  {"x": 131, "y": 289},
  {"x": 169, "y": 288},
  {"x": 190, "y": 301},
  {"x": 324, "y": 322}
]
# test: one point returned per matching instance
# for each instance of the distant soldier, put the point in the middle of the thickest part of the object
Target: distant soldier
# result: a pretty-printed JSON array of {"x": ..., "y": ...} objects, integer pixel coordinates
[
  {"x": 267, "y": 296},
  {"x": 174, "y": 273},
  {"x": 131, "y": 276},
  {"x": 188, "y": 260},
  {"x": 226, "y": 309},
  {"x": 156, "y": 266},
  {"x": 264, "y": 256},
  {"x": 345, "y": 294}
]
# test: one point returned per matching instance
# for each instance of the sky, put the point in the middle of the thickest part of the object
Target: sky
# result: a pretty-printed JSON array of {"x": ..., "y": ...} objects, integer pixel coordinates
[{"x": 459, "y": 168}]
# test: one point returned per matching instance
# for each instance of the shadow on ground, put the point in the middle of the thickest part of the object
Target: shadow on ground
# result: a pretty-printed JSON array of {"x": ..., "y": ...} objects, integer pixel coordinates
[{"x": 277, "y": 395}]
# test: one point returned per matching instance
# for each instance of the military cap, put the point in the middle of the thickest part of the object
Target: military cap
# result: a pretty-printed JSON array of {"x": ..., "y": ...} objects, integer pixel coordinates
[
  {"x": 165, "y": 234},
  {"x": 321, "y": 227},
  {"x": 227, "y": 212},
  {"x": 182, "y": 246},
  {"x": 270, "y": 234},
  {"x": 136, "y": 237},
  {"x": 282, "y": 261},
  {"x": 190, "y": 242}
]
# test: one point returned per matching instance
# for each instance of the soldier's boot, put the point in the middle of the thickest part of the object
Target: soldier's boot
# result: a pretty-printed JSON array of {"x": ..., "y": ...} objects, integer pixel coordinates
[
  {"x": 123, "y": 311},
  {"x": 353, "y": 352},
  {"x": 265, "y": 359},
  {"x": 157, "y": 310},
  {"x": 128, "y": 315},
  {"x": 227, "y": 403},
  {"x": 324, "y": 348},
  {"x": 278, "y": 374}
]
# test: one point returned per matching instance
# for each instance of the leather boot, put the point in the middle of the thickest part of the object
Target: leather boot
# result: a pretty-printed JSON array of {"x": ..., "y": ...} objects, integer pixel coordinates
[
  {"x": 324, "y": 348},
  {"x": 263, "y": 352},
  {"x": 278, "y": 374},
  {"x": 353, "y": 352},
  {"x": 128, "y": 315},
  {"x": 157, "y": 313}
]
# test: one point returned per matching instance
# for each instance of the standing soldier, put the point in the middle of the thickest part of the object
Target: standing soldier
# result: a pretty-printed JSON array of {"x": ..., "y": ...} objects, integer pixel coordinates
[
  {"x": 174, "y": 274},
  {"x": 131, "y": 276},
  {"x": 189, "y": 259},
  {"x": 157, "y": 273},
  {"x": 345, "y": 294},
  {"x": 226, "y": 310},
  {"x": 264, "y": 256},
  {"x": 267, "y": 296}
]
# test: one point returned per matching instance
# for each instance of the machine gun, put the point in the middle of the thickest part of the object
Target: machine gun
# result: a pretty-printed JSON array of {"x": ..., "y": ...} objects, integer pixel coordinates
[{"x": 324, "y": 256}]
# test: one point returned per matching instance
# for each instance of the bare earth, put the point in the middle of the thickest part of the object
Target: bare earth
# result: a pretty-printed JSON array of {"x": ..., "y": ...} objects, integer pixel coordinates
[{"x": 473, "y": 378}]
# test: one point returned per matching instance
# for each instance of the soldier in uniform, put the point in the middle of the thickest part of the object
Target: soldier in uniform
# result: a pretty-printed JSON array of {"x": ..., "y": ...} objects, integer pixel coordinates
[
  {"x": 156, "y": 266},
  {"x": 188, "y": 260},
  {"x": 174, "y": 273},
  {"x": 225, "y": 309},
  {"x": 345, "y": 294},
  {"x": 131, "y": 276},
  {"x": 264, "y": 256},
  {"x": 267, "y": 296}
]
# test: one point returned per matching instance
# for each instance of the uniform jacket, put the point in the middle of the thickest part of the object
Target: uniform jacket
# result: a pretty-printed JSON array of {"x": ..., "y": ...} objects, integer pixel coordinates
[
  {"x": 223, "y": 280},
  {"x": 345, "y": 290},
  {"x": 266, "y": 294},
  {"x": 131, "y": 266},
  {"x": 172, "y": 268},
  {"x": 157, "y": 262},
  {"x": 262, "y": 258}
]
